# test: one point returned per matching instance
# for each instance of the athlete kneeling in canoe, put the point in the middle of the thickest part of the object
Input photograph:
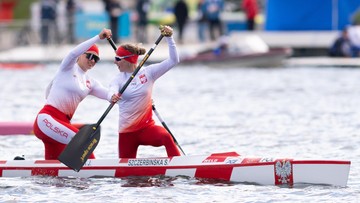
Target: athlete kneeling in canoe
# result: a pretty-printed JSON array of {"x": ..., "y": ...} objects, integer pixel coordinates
[
  {"x": 69, "y": 87},
  {"x": 136, "y": 125}
]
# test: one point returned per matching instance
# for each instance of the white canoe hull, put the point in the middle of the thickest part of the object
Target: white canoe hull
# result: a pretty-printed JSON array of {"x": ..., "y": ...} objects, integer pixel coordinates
[{"x": 227, "y": 166}]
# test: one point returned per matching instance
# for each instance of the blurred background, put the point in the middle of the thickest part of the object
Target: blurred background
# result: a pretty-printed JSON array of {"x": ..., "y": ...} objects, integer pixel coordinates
[{"x": 308, "y": 26}]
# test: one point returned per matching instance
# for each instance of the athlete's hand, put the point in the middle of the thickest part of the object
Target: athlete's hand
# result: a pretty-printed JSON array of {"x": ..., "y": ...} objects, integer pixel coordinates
[
  {"x": 115, "y": 98},
  {"x": 166, "y": 30},
  {"x": 105, "y": 33}
]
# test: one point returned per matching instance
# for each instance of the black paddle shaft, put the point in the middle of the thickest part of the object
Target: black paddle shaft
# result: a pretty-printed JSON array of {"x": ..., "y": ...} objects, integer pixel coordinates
[{"x": 167, "y": 128}]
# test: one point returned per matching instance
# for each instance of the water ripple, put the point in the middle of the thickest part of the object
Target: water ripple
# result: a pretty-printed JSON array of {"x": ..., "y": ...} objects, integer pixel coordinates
[{"x": 283, "y": 112}]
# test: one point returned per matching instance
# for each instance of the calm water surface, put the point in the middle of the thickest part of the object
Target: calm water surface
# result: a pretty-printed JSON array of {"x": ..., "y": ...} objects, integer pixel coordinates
[{"x": 278, "y": 112}]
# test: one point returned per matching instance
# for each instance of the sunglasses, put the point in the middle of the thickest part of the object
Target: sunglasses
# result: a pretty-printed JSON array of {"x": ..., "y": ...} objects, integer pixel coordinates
[
  {"x": 119, "y": 58},
  {"x": 92, "y": 56}
]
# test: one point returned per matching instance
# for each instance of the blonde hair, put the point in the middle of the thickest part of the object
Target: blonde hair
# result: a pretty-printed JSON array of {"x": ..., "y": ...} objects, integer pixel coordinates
[{"x": 135, "y": 49}]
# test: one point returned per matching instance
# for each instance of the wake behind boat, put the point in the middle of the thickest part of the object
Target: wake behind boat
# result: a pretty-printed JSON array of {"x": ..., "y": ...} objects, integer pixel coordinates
[{"x": 228, "y": 166}]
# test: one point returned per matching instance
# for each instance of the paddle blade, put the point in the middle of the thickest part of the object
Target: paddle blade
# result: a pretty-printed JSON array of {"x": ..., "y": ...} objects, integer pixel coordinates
[{"x": 80, "y": 147}]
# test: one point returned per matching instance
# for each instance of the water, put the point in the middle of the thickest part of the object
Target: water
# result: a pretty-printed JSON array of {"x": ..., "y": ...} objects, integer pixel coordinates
[{"x": 277, "y": 112}]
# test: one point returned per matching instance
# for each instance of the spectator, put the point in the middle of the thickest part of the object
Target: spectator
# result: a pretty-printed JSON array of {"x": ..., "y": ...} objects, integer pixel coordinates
[
  {"x": 142, "y": 8},
  {"x": 202, "y": 21},
  {"x": 251, "y": 9},
  {"x": 182, "y": 14},
  {"x": 341, "y": 47},
  {"x": 213, "y": 9},
  {"x": 71, "y": 7},
  {"x": 7, "y": 10},
  {"x": 114, "y": 9},
  {"x": 48, "y": 20}
]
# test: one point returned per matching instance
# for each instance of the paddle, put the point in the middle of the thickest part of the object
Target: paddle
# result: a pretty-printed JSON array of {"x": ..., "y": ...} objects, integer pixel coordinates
[
  {"x": 85, "y": 141},
  {"x": 165, "y": 126}
]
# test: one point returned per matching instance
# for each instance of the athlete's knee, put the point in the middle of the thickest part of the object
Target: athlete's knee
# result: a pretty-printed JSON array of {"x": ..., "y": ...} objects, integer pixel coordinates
[{"x": 167, "y": 139}]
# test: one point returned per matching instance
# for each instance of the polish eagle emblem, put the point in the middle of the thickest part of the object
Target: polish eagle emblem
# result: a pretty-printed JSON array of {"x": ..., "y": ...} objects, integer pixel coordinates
[{"x": 283, "y": 171}]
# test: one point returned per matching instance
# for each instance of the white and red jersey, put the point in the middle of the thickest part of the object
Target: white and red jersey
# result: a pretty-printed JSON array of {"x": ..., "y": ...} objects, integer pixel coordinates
[
  {"x": 71, "y": 84},
  {"x": 135, "y": 110}
]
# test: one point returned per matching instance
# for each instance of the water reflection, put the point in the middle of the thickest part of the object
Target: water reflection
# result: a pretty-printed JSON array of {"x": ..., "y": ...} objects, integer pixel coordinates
[{"x": 148, "y": 181}]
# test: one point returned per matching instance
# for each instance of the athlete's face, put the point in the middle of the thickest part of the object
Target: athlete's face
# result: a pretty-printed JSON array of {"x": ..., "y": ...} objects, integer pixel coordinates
[
  {"x": 123, "y": 65},
  {"x": 88, "y": 60}
]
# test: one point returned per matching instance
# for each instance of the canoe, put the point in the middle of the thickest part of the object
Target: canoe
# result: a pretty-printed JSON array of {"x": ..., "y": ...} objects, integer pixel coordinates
[
  {"x": 237, "y": 50},
  {"x": 228, "y": 166},
  {"x": 273, "y": 58},
  {"x": 16, "y": 128},
  {"x": 21, "y": 128},
  {"x": 20, "y": 65}
]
